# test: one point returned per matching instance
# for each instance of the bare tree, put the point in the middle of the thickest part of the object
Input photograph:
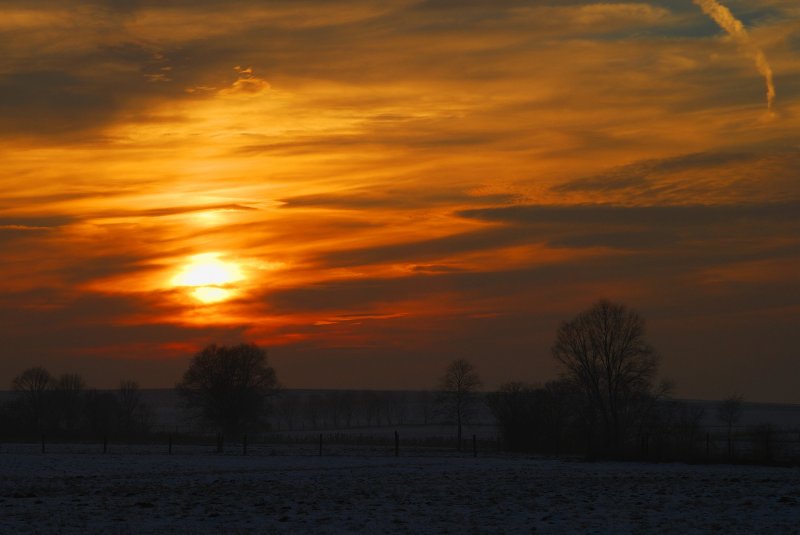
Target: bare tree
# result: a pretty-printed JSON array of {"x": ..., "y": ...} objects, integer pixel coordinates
[
  {"x": 458, "y": 392},
  {"x": 68, "y": 393},
  {"x": 129, "y": 398},
  {"x": 34, "y": 387},
  {"x": 514, "y": 406},
  {"x": 135, "y": 414},
  {"x": 604, "y": 351},
  {"x": 729, "y": 412},
  {"x": 230, "y": 386},
  {"x": 686, "y": 427},
  {"x": 101, "y": 411}
]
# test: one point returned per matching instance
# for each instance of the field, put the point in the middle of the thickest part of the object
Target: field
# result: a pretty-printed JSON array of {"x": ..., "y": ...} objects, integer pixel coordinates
[{"x": 71, "y": 489}]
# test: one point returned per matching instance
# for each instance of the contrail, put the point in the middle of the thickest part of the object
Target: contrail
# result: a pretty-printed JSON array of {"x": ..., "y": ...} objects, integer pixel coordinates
[{"x": 723, "y": 16}]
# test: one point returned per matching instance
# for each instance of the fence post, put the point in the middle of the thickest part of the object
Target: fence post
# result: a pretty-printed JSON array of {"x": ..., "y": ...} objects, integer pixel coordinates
[
  {"x": 708, "y": 445},
  {"x": 396, "y": 444},
  {"x": 105, "y": 445},
  {"x": 220, "y": 440},
  {"x": 320, "y": 444},
  {"x": 42, "y": 442},
  {"x": 474, "y": 446},
  {"x": 169, "y": 450},
  {"x": 244, "y": 446}
]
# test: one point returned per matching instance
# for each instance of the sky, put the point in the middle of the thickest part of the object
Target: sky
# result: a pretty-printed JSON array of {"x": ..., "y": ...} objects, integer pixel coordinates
[{"x": 371, "y": 189}]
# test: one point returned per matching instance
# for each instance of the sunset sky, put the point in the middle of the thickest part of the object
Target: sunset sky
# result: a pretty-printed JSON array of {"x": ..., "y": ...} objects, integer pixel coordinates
[{"x": 371, "y": 189}]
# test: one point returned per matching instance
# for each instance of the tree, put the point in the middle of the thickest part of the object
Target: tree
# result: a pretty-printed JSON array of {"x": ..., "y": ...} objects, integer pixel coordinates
[
  {"x": 532, "y": 418},
  {"x": 34, "y": 387},
  {"x": 513, "y": 406},
  {"x": 68, "y": 397},
  {"x": 134, "y": 413},
  {"x": 729, "y": 412},
  {"x": 603, "y": 350},
  {"x": 101, "y": 410},
  {"x": 458, "y": 390},
  {"x": 229, "y": 387}
]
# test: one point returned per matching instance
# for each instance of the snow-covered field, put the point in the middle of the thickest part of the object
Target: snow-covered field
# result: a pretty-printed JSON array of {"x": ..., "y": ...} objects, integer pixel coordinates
[{"x": 280, "y": 491}]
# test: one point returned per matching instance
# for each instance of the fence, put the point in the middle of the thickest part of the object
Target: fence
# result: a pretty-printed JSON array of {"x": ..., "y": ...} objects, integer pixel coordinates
[
  {"x": 763, "y": 443},
  {"x": 318, "y": 444},
  {"x": 742, "y": 445}
]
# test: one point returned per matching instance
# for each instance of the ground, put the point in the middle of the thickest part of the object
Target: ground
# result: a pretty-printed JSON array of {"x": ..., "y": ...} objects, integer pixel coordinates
[{"x": 371, "y": 491}]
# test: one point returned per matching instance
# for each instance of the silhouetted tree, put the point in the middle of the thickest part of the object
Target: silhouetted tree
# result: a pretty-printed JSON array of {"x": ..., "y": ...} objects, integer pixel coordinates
[
  {"x": 34, "y": 388},
  {"x": 135, "y": 415},
  {"x": 68, "y": 400},
  {"x": 763, "y": 437},
  {"x": 458, "y": 393},
  {"x": 533, "y": 419},
  {"x": 513, "y": 407},
  {"x": 680, "y": 431},
  {"x": 729, "y": 412},
  {"x": 558, "y": 404},
  {"x": 102, "y": 413},
  {"x": 229, "y": 387},
  {"x": 604, "y": 352}
]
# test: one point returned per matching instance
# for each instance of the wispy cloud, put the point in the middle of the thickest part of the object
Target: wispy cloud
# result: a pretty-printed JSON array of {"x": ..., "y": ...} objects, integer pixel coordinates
[{"x": 723, "y": 16}]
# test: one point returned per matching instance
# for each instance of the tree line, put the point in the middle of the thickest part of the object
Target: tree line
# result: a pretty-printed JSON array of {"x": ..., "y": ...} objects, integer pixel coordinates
[
  {"x": 64, "y": 408},
  {"x": 607, "y": 400}
]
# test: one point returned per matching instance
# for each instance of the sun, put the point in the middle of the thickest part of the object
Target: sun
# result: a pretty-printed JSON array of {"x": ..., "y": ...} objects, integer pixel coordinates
[{"x": 210, "y": 277}]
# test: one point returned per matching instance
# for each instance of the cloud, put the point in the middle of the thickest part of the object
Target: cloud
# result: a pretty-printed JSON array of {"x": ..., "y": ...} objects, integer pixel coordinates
[
  {"x": 35, "y": 222},
  {"x": 395, "y": 198},
  {"x": 84, "y": 334},
  {"x": 22, "y": 227},
  {"x": 640, "y": 174},
  {"x": 597, "y": 17},
  {"x": 247, "y": 83},
  {"x": 426, "y": 250},
  {"x": 511, "y": 289},
  {"x": 723, "y": 16},
  {"x": 385, "y": 136},
  {"x": 433, "y": 177},
  {"x": 714, "y": 177},
  {"x": 658, "y": 216},
  {"x": 51, "y": 102},
  {"x": 173, "y": 210}
]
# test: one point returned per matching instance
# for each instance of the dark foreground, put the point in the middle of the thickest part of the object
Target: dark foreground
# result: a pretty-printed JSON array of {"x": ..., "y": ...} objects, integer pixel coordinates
[{"x": 198, "y": 492}]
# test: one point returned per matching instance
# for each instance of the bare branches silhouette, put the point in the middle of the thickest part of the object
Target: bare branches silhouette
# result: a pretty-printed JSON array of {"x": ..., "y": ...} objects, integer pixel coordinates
[
  {"x": 603, "y": 351},
  {"x": 458, "y": 390}
]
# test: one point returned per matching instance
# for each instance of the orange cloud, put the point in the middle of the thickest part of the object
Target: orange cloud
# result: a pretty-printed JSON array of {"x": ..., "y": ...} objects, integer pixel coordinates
[
  {"x": 247, "y": 83},
  {"x": 389, "y": 179}
]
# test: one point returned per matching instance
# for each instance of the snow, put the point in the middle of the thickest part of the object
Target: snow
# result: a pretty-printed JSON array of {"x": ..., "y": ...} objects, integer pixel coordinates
[{"x": 70, "y": 489}]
